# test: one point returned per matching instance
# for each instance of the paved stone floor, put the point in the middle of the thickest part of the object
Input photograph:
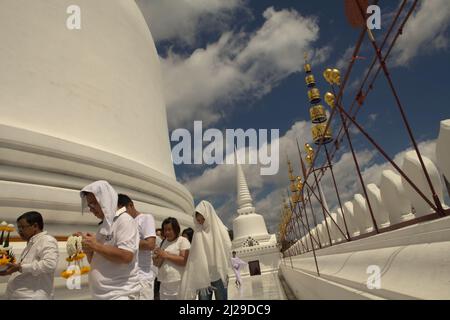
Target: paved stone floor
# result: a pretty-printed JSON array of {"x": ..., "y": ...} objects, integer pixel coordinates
[{"x": 263, "y": 287}]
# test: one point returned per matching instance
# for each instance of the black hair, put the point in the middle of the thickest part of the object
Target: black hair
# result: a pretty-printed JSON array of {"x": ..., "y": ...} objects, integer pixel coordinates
[
  {"x": 158, "y": 229},
  {"x": 234, "y": 252},
  {"x": 33, "y": 217},
  {"x": 189, "y": 232},
  {"x": 174, "y": 223},
  {"x": 123, "y": 200}
]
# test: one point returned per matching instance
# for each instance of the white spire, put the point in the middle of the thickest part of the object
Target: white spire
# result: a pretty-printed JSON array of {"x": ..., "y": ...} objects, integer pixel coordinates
[
  {"x": 244, "y": 199},
  {"x": 248, "y": 223}
]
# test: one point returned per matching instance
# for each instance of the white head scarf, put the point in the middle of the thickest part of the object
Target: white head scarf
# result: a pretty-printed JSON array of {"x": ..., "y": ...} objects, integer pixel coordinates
[
  {"x": 107, "y": 198},
  {"x": 209, "y": 256}
]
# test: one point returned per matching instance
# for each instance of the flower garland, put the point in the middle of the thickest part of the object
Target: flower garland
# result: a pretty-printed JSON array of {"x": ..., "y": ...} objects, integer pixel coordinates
[
  {"x": 75, "y": 258},
  {"x": 6, "y": 254}
]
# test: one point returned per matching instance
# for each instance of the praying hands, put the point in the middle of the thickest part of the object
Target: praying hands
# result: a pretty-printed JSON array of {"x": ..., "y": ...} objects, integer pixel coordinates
[{"x": 89, "y": 243}]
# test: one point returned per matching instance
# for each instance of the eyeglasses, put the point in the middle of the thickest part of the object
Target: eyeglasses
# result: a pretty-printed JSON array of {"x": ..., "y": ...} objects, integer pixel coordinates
[{"x": 22, "y": 227}]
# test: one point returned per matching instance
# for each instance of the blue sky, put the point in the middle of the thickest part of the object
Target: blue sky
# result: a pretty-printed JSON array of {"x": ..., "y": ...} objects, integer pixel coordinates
[{"x": 238, "y": 64}]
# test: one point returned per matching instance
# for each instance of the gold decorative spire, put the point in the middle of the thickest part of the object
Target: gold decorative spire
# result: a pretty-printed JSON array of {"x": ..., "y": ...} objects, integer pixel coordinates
[
  {"x": 309, "y": 154},
  {"x": 296, "y": 185},
  {"x": 317, "y": 112}
]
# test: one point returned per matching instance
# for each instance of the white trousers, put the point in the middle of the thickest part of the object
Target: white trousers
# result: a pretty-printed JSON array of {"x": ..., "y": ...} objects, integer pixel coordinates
[
  {"x": 147, "y": 290},
  {"x": 169, "y": 290},
  {"x": 145, "y": 293}
]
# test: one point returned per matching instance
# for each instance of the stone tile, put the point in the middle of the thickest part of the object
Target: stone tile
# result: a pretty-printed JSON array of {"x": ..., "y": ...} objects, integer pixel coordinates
[{"x": 263, "y": 287}]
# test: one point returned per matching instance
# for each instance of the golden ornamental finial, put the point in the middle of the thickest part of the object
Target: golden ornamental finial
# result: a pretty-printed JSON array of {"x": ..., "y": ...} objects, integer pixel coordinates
[
  {"x": 336, "y": 76},
  {"x": 299, "y": 184},
  {"x": 309, "y": 149},
  {"x": 307, "y": 65},
  {"x": 327, "y": 75},
  {"x": 330, "y": 99},
  {"x": 310, "y": 154},
  {"x": 332, "y": 76}
]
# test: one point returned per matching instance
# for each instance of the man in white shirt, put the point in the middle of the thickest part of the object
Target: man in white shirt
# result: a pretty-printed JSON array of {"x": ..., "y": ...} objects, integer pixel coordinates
[
  {"x": 32, "y": 277},
  {"x": 112, "y": 251},
  {"x": 146, "y": 227}
]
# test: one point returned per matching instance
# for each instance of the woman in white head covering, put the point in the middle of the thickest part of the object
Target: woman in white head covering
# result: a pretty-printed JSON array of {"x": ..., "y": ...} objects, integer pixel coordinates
[{"x": 209, "y": 258}]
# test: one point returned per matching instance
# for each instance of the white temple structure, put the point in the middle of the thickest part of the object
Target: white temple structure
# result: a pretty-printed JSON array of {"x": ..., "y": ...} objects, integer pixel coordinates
[
  {"x": 86, "y": 104},
  {"x": 82, "y": 105},
  {"x": 78, "y": 106},
  {"x": 251, "y": 241}
]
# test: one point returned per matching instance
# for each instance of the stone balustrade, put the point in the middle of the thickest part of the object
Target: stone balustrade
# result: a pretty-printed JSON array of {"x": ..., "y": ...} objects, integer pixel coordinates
[{"x": 394, "y": 201}]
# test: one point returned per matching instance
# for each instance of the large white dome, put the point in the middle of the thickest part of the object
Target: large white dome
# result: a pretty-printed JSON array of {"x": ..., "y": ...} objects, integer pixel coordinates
[{"x": 82, "y": 105}]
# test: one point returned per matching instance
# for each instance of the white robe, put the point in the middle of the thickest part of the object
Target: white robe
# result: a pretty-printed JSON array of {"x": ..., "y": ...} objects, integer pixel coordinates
[
  {"x": 237, "y": 263},
  {"x": 209, "y": 256}
]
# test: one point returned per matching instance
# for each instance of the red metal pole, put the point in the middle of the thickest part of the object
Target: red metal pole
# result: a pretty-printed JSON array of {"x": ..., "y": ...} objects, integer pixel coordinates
[
  {"x": 396, "y": 167},
  {"x": 295, "y": 222},
  {"x": 358, "y": 170},
  {"x": 337, "y": 194},
  {"x": 314, "y": 219},
  {"x": 382, "y": 62},
  {"x": 299, "y": 217},
  {"x": 323, "y": 209},
  {"x": 301, "y": 220},
  {"x": 310, "y": 238},
  {"x": 326, "y": 211}
]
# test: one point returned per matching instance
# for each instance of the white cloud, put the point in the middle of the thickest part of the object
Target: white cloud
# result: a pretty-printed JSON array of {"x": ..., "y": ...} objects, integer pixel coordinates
[
  {"x": 222, "y": 178},
  {"x": 227, "y": 212},
  {"x": 271, "y": 204},
  {"x": 220, "y": 181},
  {"x": 440, "y": 42},
  {"x": 193, "y": 84},
  {"x": 347, "y": 181},
  {"x": 280, "y": 43},
  {"x": 216, "y": 182},
  {"x": 373, "y": 173},
  {"x": 270, "y": 207},
  {"x": 424, "y": 32},
  {"x": 238, "y": 66},
  {"x": 181, "y": 19},
  {"x": 345, "y": 59}
]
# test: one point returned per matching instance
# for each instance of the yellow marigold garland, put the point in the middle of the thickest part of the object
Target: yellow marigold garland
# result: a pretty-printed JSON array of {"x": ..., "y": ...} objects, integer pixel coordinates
[{"x": 76, "y": 256}]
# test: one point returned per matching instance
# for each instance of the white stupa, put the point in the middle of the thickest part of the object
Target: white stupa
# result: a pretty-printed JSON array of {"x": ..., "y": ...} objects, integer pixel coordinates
[
  {"x": 82, "y": 105},
  {"x": 251, "y": 241}
]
